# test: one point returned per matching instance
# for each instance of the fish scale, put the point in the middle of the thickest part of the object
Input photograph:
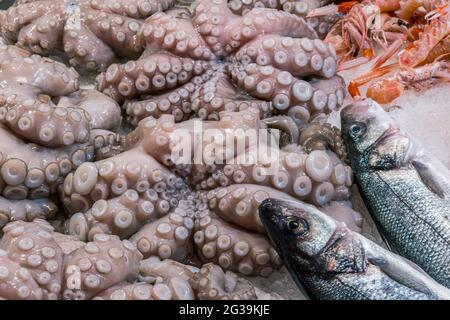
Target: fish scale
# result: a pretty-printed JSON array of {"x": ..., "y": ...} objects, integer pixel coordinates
[
  {"x": 370, "y": 285},
  {"x": 413, "y": 219}
]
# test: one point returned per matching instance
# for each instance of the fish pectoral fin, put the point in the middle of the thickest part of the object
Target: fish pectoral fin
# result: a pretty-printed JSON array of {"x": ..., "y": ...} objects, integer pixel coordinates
[
  {"x": 432, "y": 179},
  {"x": 399, "y": 275},
  {"x": 404, "y": 271}
]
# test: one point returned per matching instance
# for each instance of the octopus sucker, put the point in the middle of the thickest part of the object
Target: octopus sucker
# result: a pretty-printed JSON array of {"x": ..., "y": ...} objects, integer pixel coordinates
[
  {"x": 323, "y": 137},
  {"x": 98, "y": 265},
  {"x": 113, "y": 177},
  {"x": 176, "y": 103},
  {"x": 299, "y": 56},
  {"x": 168, "y": 237},
  {"x": 225, "y": 31},
  {"x": 212, "y": 283},
  {"x": 26, "y": 210},
  {"x": 30, "y": 171},
  {"x": 152, "y": 74},
  {"x": 32, "y": 246},
  {"x": 311, "y": 177},
  {"x": 122, "y": 216},
  {"x": 233, "y": 248},
  {"x": 130, "y": 291},
  {"x": 238, "y": 204},
  {"x": 40, "y": 101},
  {"x": 175, "y": 275},
  {"x": 219, "y": 94}
]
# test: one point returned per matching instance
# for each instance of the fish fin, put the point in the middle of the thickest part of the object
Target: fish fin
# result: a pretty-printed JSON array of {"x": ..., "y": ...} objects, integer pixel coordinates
[
  {"x": 431, "y": 178},
  {"x": 404, "y": 271}
]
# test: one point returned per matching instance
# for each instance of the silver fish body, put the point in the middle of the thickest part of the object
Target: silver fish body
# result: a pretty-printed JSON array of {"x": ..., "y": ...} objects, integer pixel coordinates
[
  {"x": 406, "y": 195},
  {"x": 331, "y": 262}
]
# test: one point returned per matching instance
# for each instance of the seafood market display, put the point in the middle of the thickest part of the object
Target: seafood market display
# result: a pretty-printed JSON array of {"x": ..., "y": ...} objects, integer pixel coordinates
[{"x": 178, "y": 150}]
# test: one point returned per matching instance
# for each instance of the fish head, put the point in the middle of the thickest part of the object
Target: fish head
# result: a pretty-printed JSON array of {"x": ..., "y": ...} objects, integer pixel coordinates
[
  {"x": 371, "y": 134},
  {"x": 298, "y": 230}
]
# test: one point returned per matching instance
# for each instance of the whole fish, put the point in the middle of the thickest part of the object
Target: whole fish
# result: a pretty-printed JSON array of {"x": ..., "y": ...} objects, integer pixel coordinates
[
  {"x": 329, "y": 261},
  {"x": 406, "y": 191}
]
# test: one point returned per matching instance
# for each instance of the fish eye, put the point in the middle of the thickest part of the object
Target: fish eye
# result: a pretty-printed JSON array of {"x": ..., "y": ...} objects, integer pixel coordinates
[
  {"x": 293, "y": 224},
  {"x": 357, "y": 129},
  {"x": 298, "y": 225}
]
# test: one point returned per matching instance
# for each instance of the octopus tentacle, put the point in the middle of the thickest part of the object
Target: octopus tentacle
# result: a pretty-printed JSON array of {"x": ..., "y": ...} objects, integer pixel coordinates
[
  {"x": 25, "y": 99},
  {"x": 103, "y": 112},
  {"x": 299, "y": 56},
  {"x": 242, "y": 7},
  {"x": 40, "y": 121},
  {"x": 175, "y": 275},
  {"x": 31, "y": 171},
  {"x": 176, "y": 103},
  {"x": 132, "y": 291},
  {"x": 16, "y": 17},
  {"x": 17, "y": 283},
  {"x": 225, "y": 32},
  {"x": 239, "y": 203},
  {"x": 268, "y": 83},
  {"x": 51, "y": 77},
  {"x": 153, "y": 268},
  {"x": 26, "y": 210},
  {"x": 32, "y": 246},
  {"x": 160, "y": 139},
  {"x": 212, "y": 283},
  {"x": 137, "y": 9},
  {"x": 113, "y": 177},
  {"x": 322, "y": 137},
  {"x": 287, "y": 127},
  {"x": 99, "y": 265},
  {"x": 42, "y": 36},
  {"x": 118, "y": 32},
  {"x": 85, "y": 50},
  {"x": 233, "y": 248},
  {"x": 153, "y": 74},
  {"x": 169, "y": 236},
  {"x": 218, "y": 94},
  {"x": 318, "y": 177},
  {"x": 165, "y": 32},
  {"x": 122, "y": 216},
  {"x": 300, "y": 8},
  {"x": 293, "y": 6}
]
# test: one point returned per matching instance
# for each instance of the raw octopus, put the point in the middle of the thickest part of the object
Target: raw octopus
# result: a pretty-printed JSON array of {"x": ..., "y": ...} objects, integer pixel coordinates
[
  {"x": 48, "y": 128},
  {"x": 91, "y": 34},
  {"x": 38, "y": 263},
  {"x": 125, "y": 196}
]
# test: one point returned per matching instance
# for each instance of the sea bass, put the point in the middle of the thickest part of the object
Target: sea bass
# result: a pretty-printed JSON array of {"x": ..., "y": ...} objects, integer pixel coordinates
[
  {"x": 329, "y": 261},
  {"x": 406, "y": 191}
]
